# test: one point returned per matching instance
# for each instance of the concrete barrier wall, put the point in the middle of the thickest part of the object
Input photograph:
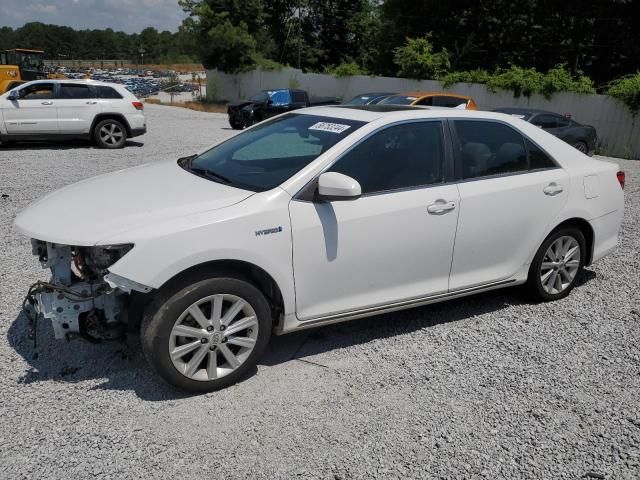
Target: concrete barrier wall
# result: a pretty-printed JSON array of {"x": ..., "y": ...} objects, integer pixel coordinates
[{"x": 618, "y": 131}]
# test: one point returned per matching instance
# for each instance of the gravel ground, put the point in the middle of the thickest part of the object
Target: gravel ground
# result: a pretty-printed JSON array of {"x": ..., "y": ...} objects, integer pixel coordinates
[{"x": 484, "y": 387}]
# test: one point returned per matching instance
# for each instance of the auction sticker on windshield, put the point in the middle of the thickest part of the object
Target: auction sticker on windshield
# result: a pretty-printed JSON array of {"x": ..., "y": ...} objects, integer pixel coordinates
[{"x": 329, "y": 127}]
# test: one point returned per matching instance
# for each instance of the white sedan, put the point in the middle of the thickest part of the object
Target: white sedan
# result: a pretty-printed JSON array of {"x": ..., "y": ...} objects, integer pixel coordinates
[{"x": 316, "y": 216}]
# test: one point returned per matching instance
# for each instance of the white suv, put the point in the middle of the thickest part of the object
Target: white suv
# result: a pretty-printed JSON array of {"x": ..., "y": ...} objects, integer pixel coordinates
[
  {"x": 314, "y": 217},
  {"x": 52, "y": 109}
]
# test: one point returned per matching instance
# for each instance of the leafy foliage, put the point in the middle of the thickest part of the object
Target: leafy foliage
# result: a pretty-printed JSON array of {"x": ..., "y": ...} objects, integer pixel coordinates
[
  {"x": 417, "y": 59},
  {"x": 599, "y": 37},
  {"x": 469, "y": 76},
  {"x": 225, "y": 35},
  {"x": 346, "y": 69},
  {"x": 559, "y": 79},
  {"x": 627, "y": 90},
  {"x": 267, "y": 64},
  {"x": 524, "y": 81}
]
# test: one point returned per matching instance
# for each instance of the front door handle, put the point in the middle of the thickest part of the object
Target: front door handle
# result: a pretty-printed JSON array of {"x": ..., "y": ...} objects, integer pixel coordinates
[
  {"x": 553, "y": 189},
  {"x": 440, "y": 206},
  {"x": 48, "y": 102},
  {"x": 91, "y": 102}
]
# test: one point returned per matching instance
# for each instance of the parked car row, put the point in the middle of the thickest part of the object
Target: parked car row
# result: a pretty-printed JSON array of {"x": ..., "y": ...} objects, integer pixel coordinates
[{"x": 272, "y": 102}]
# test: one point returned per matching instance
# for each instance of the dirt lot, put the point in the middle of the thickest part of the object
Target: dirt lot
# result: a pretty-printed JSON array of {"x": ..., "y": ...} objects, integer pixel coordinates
[{"x": 489, "y": 386}]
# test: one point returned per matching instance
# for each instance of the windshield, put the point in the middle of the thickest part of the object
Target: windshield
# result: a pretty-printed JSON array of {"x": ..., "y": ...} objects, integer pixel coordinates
[
  {"x": 399, "y": 100},
  {"x": 359, "y": 100},
  {"x": 271, "y": 152}
]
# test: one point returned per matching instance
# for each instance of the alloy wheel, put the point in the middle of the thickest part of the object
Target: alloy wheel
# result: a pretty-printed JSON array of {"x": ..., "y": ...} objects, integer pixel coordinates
[
  {"x": 213, "y": 337},
  {"x": 111, "y": 134},
  {"x": 581, "y": 147},
  {"x": 560, "y": 265}
]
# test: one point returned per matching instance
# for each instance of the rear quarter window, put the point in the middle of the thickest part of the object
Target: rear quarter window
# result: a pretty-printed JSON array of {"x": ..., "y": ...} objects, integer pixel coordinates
[{"x": 107, "y": 92}]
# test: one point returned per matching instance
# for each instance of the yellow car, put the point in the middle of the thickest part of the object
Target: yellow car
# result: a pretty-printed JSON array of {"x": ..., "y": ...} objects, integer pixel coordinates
[{"x": 431, "y": 99}]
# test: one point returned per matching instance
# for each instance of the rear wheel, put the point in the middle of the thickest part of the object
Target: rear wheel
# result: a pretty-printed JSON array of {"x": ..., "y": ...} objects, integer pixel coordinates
[
  {"x": 557, "y": 265},
  {"x": 110, "y": 133},
  {"x": 206, "y": 335}
]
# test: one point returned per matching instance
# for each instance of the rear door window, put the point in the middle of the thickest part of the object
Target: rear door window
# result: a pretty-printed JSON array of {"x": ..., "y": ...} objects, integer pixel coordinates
[
  {"x": 489, "y": 148},
  {"x": 71, "y": 91}
]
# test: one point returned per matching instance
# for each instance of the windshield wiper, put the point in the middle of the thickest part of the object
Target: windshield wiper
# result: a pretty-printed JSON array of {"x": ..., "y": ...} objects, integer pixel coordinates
[
  {"x": 187, "y": 164},
  {"x": 203, "y": 172}
]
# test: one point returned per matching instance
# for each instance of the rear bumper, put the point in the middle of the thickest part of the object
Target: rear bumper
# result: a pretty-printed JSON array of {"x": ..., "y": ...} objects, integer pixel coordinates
[{"x": 136, "y": 132}]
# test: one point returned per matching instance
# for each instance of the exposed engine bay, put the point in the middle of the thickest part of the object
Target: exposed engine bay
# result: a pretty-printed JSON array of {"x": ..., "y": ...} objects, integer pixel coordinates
[{"x": 80, "y": 300}]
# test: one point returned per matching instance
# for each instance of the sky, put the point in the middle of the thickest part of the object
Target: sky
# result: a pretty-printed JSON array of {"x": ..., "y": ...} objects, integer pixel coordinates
[{"x": 131, "y": 16}]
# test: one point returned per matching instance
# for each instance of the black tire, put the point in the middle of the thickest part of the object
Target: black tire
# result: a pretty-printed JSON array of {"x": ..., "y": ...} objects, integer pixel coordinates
[
  {"x": 534, "y": 284},
  {"x": 161, "y": 316},
  {"x": 581, "y": 147},
  {"x": 110, "y": 133}
]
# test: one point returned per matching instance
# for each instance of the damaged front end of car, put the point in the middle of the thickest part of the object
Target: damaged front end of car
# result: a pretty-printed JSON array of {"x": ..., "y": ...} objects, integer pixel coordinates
[{"x": 82, "y": 299}]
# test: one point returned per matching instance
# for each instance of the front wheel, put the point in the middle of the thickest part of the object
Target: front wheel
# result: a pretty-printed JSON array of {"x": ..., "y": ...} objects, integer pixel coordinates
[
  {"x": 557, "y": 265},
  {"x": 110, "y": 133},
  {"x": 206, "y": 335}
]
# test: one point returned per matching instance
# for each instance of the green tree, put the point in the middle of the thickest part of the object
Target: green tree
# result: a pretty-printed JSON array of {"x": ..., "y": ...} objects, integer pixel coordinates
[
  {"x": 416, "y": 59},
  {"x": 225, "y": 31}
]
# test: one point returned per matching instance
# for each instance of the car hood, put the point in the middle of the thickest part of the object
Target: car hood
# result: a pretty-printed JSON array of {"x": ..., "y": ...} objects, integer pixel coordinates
[{"x": 100, "y": 207}]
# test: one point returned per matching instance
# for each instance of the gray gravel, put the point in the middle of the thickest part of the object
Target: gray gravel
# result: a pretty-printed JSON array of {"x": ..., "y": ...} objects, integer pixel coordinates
[{"x": 485, "y": 387}]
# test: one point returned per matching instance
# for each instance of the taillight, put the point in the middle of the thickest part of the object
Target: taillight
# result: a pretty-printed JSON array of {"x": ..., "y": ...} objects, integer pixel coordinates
[
  {"x": 138, "y": 105},
  {"x": 620, "y": 176}
]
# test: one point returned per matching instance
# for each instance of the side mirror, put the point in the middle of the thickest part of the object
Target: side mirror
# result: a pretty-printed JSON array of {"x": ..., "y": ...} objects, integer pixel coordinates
[
  {"x": 333, "y": 186},
  {"x": 13, "y": 95}
]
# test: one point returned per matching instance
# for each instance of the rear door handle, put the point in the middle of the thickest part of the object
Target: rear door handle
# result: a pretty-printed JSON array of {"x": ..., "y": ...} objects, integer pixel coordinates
[
  {"x": 47, "y": 103},
  {"x": 91, "y": 102},
  {"x": 440, "y": 206},
  {"x": 553, "y": 189}
]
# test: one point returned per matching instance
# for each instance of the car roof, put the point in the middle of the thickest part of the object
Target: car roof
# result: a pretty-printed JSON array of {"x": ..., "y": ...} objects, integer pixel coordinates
[
  {"x": 524, "y": 111},
  {"x": 73, "y": 80},
  {"x": 282, "y": 90},
  {"x": 433, "y": 94},
  {"x": 373, "y": 94},
  {"x": 370, "y": 113}
]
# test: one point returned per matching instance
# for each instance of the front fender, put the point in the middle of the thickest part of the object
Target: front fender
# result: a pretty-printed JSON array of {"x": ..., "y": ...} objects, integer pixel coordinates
[{"x": 261, "y": 238}]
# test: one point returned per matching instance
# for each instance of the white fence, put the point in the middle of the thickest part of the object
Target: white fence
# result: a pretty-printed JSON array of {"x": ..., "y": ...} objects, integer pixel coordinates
[{"x": 618, "y": 131}]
